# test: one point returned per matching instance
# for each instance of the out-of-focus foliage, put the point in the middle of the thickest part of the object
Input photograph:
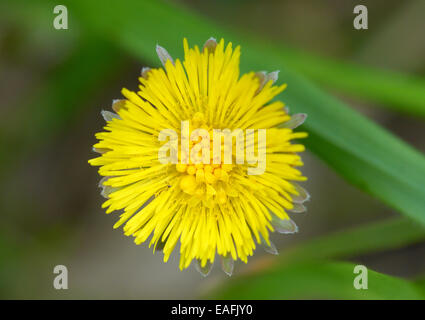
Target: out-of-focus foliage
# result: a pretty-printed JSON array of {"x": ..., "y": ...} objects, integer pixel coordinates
[
  {"x": 362, "y": 152},
  {"x": 389, "y": 234},
  {"x": 58, "y": 102}
]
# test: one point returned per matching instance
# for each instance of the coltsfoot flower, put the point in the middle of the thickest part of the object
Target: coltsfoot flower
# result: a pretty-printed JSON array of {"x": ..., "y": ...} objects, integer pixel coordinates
[{"x": 211, "y": 207}]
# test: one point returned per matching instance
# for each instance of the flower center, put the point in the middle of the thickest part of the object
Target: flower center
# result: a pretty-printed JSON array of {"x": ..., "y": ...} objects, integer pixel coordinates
[{"x": 205, "y": 181}]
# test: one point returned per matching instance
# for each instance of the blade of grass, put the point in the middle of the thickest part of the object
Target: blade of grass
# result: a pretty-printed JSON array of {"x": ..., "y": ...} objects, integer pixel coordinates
[
  {"x": 315, "y": 280},
  {"x": 400, "y": 92},
  {"x": 383, "y": 235},
  {"x": 361, "y": 151}
]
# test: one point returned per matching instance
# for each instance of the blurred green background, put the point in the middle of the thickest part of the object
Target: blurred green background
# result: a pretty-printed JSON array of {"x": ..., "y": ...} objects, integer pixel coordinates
[{"x": 368, "y": 193}]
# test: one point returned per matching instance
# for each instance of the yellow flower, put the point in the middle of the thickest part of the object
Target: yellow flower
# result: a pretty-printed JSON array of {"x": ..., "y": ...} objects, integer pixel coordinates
[{"x": 212, "y": 207}]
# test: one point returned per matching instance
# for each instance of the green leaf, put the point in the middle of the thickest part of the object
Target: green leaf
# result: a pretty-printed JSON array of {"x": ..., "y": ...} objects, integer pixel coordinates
[
  {"x": 382, "y": 235},
  {"x": 315, "y": 280},
  {"x": 400, "y": 92}
]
